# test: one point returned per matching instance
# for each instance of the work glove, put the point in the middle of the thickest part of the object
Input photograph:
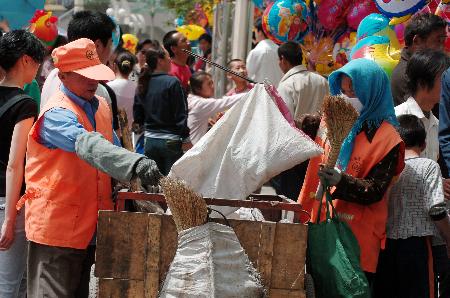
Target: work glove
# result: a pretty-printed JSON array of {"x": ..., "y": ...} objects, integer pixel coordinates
[
  {"x": 327, "y": 177},
  {"x": 147, "y": 171},
  {"x": 117, "y": 162}
]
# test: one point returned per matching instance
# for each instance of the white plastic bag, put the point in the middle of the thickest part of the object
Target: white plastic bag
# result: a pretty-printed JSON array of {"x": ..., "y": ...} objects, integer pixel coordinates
[
  {"x": 211, "y": 263},
  {"x": 250, "y": 144}
]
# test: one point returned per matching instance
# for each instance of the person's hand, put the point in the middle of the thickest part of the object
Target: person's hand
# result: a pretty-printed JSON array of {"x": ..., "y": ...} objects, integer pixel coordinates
[
  {"x": 6, "y": 236},
  {"x": 186, "y": 146},
  {"x": 147, "y": 170},
  {"x": 329, "y": 176},
  {"x": 446, "y": 184}
]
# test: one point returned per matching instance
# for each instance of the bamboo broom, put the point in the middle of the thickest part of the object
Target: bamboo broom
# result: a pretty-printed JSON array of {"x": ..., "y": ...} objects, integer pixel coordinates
[
  {"x": 188, "y": 208},
  {"x": 339, "y": 117}
]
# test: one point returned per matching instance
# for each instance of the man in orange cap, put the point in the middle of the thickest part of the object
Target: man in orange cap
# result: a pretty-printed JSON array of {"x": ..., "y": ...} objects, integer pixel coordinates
[{"x": 64, "y": 192}]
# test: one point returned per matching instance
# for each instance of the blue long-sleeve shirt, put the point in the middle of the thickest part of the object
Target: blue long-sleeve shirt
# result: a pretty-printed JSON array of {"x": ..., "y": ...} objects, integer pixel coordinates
[
  {"x": 60, "y": 127},
  {"x": 444, "y": 118}
]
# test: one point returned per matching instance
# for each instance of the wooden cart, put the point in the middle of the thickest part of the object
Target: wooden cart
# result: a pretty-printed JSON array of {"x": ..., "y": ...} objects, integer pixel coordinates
[{"x": 134, "y": 250}]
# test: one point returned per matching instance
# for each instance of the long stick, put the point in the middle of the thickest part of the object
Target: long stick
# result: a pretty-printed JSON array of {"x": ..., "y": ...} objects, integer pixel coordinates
[{"x": 220, "y": 66}]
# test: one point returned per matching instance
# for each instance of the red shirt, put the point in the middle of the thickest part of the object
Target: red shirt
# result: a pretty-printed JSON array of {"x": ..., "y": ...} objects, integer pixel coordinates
[{"x": 183, "y": 73}]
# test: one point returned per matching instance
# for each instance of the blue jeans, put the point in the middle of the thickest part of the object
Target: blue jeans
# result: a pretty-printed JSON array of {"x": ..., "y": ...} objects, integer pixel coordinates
[
  {"x": 164, "y": 152},
  {"x": 13, "y": 262}
]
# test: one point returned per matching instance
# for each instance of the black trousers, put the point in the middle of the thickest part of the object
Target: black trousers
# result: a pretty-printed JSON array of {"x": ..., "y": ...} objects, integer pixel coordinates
[
  {"x": 403, "y": 269},
  {"x": 58, "y": 271}
]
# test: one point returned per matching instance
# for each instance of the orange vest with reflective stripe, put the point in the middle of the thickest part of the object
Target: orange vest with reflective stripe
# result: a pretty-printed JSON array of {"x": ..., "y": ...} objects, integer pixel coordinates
[
  {"x": 64, "y": 193},
  {"x": 368, "y": 223}
]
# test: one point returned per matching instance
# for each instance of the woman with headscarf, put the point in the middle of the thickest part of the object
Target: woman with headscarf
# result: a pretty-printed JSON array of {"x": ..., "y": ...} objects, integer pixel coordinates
[{"x": 370, "y": 157}]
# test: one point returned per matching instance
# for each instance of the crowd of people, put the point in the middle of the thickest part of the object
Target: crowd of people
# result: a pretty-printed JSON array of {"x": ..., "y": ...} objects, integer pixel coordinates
[{"x": 60, "y": 146}]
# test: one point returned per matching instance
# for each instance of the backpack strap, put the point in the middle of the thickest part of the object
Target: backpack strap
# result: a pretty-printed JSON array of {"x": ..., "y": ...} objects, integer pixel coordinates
[{"x": 12, "y": 101}]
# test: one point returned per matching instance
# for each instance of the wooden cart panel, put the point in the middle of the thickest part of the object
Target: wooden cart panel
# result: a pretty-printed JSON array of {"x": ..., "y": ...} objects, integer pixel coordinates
[{"x": 134, "y": 252}]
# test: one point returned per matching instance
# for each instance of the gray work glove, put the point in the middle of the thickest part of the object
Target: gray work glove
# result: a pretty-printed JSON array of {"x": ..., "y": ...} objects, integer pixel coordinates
[
  {"x": 330, "y": 176},
  {"x": 115, "y": 161}
]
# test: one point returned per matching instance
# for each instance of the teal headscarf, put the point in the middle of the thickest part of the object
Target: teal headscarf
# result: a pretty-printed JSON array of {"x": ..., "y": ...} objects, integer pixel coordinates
[{"x": 373, "y": 89}]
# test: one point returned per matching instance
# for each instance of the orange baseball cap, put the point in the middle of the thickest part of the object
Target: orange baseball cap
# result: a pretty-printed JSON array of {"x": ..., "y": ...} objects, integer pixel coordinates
[{"x": 80, "y": 56}]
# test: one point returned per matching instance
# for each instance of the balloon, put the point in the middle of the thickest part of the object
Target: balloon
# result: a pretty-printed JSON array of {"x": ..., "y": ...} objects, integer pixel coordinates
[
  {"x": 395, "y": 8},
  {"x": 400, "y": 32},
  {"x": 318, "y": 54},
  {"x": 331, "y": 13},
  {"x": 377, "y": 24},
  {"x": 262, "y": 4},
  {"x": 43, "y": 26},
  {"x": 130, "y": 42},
  {"x": 343, "y": 47},
  {"x": 286, "y": 20},
  {"x": 179, "y": 21},
  {"x": 375, "y": 48},
  {"x": 192, "y": 32},
  {"x": 358, "y": 11}
]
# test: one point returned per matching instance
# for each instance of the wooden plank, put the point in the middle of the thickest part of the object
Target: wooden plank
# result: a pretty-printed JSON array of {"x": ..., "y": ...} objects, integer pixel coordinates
[
  {"x": 151, "y": 281},
  {"x": 120, "y": 246},
  {"x": 281, "y": 293},
  {"x": 120, "y": 288},
  {"x": 265, "y": 252},
  {"x": 249, "y": 235},
  {"x": 168, "y": 245},
  {"x": 288, "y": 263}
]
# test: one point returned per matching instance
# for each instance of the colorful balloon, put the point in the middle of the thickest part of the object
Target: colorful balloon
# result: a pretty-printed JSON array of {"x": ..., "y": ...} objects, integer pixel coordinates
[
  {"x": 262, "y": 4},
  {"x": 358, "y": 11},
  {"x": 286, "y": 20},
  {"x": 331, "y": 13},
  {"x": 130, "y": 42},
  {"x": 192, "y": 32},
  {"x": 43, "y": 26},
  {"x": 343, "y": 47},
  {"x": 400, "y": 9}
]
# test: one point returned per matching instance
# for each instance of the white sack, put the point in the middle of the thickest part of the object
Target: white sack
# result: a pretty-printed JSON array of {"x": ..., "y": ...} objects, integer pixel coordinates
[
  {"x": 211, "y": 263},
  {"x": 250, "y": 144}
]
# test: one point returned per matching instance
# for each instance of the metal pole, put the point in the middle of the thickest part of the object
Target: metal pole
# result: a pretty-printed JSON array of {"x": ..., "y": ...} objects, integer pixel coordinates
[{"x": 240, "y": 37}]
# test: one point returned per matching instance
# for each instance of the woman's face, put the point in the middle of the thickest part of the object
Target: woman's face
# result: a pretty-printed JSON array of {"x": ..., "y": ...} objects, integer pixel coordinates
[
  {"x": 347, "y": 86},
  {"x": 207, "y": 90},
  {"x": 164, "y": 63},
  {"x": 31, "y": 68}
]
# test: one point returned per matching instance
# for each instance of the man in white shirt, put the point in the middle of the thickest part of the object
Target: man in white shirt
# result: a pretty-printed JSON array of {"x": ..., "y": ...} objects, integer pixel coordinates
[
  {"x": 302, "y": 90},
  {"x": 262, "y": 61},
  {"x": 99, "y": 28}
]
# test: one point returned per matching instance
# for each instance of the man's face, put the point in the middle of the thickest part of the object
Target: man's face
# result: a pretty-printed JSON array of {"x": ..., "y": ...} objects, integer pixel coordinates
[
  {"x": 104, "y": 52},
  {"x": 434, "y": 94},
  {"x": 435, "y": 40},
  {"x": 79, "y": 85},
  {"x": 182, "y": 44},
  {"x": 204, "y": 45}
]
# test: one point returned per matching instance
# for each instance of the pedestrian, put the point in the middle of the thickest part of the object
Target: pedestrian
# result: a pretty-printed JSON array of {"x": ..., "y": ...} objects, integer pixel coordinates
[
  {"x": 403, "y": 269},
  {"x": 142, "y": 48},
  {"x": 205, "y": 45},
  {"x": 122, "y": 86},
  {"x": 240, "y": 85},
  {"x": 60, "y": 223},
  {"x": 370, "y": 157},
  {"x": 20, "y": 56},
  {"x": 302, "y": 90},
  {"x": 262, "y": 61},
  {"x": 175, "y": 42},
  {"x": 160, "y": 106},
  {"x": 424, "y": 31},
  {"x": 202, "y": 105}
]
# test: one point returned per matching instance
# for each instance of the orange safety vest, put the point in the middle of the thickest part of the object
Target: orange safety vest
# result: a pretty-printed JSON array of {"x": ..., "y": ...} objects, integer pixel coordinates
[
  {"x": 368, "y": 223},
  {"x": 64, "y": 193}
]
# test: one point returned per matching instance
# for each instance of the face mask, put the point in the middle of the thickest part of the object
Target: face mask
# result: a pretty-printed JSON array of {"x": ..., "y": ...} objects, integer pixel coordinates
[{"x": 354, "y": 101}]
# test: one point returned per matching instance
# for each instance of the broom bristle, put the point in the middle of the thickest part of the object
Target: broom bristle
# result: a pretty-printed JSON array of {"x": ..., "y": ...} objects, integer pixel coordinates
[
  {"x": 339, "y": 119},
  {"x": 188, "y": 208}
]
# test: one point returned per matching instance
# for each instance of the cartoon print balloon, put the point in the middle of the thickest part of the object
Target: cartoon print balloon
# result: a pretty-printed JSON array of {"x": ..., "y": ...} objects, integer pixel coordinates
[
  {"x": 331, "y": 13},
  {"x": 400, "y": 10},
  {"x": 192, "y": 32},
  {"x": 286, "y": 20},
  {"x": 359, "y": 10},
  {"x": 130, "y": 42},
  {"x": 43, "y": 26}
]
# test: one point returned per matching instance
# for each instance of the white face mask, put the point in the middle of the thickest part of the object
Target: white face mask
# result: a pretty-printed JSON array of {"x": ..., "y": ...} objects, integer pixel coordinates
[{"x": 354, "y": 101}]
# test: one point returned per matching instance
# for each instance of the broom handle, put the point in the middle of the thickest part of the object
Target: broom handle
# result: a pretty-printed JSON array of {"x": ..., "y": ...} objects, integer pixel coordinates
[{"x": 333, "y": 155}]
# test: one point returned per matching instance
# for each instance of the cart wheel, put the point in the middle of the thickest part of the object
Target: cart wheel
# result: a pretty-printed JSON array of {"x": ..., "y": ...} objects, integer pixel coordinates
[{"x": 309, "y": 286}]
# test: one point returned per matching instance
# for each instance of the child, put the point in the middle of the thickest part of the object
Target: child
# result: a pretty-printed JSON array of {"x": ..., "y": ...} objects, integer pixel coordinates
[
  {"x": 403, "y": 269},
  {"x": 240, "y": 85}
]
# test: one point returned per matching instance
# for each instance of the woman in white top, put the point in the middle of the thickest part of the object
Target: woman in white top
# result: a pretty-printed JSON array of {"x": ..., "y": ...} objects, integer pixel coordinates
[
  {"x": 202, "y": 105},
  {"x": 124, "y": 88}
]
